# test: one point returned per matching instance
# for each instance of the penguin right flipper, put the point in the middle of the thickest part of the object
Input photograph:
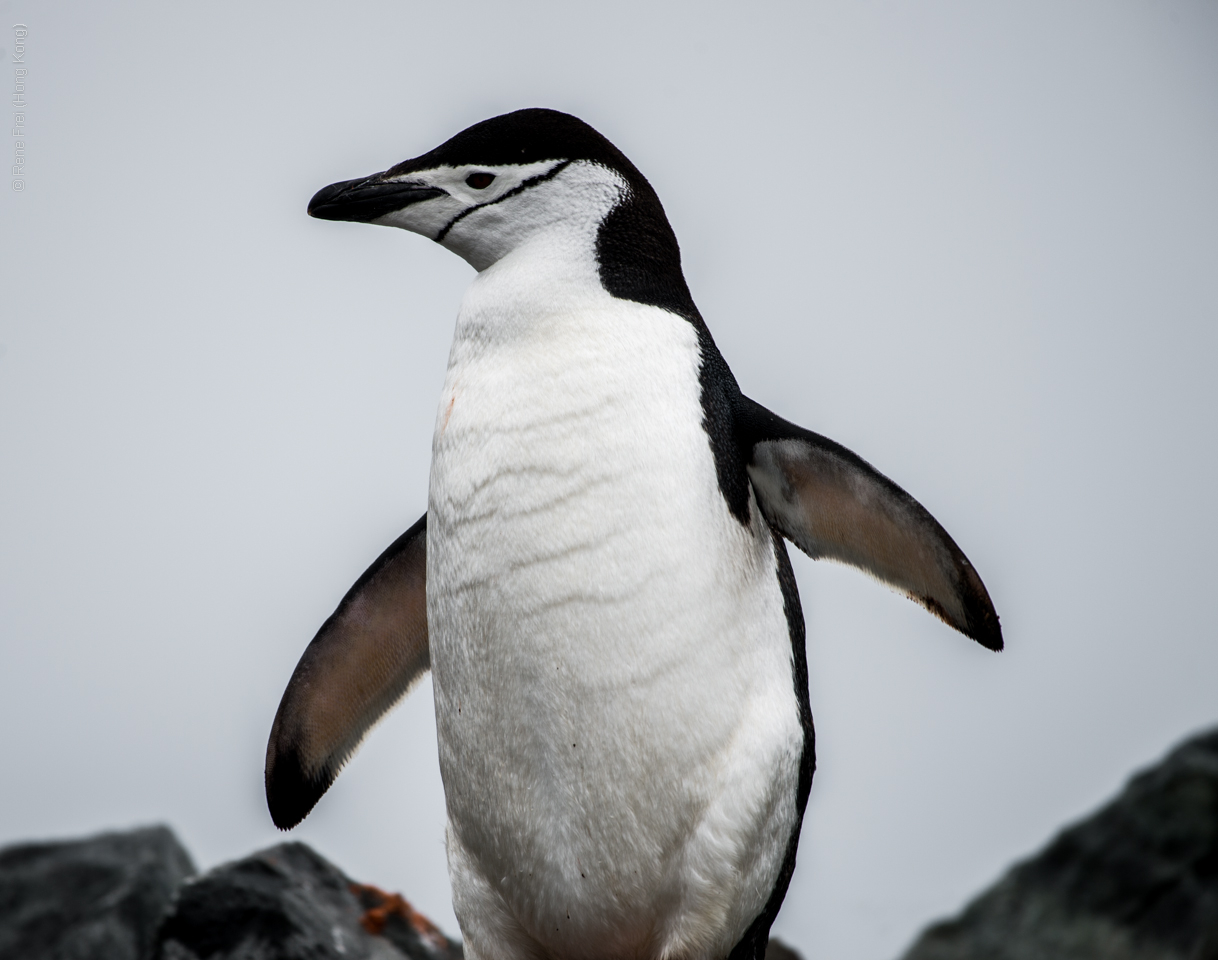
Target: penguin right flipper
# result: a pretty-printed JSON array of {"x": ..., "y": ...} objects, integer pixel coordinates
[
  {"x": 832, "y": 504},
  {"x": 364, "y": 659}
]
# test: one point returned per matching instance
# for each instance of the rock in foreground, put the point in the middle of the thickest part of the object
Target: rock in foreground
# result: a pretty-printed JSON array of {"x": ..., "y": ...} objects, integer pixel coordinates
[
  {"x": 84, "y": 899},
  {"x": 1136, "y": 881},
  {"x": 128, "y": 896},
  {"x": 288, "y": 903}
]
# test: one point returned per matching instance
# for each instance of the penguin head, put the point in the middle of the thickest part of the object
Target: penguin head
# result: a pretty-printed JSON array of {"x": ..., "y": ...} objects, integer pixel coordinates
[{"x": 496, "y": 186}]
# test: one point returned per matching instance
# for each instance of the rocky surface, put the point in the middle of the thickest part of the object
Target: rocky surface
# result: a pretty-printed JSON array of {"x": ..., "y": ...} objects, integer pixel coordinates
[
  {"x": 133, "y": 896},
  {"x": 84, "y": 899},
  {"x": 288, "y": 903},
  {"x": 777, "y": 950},
  {"x": 1136, "y": 881}
]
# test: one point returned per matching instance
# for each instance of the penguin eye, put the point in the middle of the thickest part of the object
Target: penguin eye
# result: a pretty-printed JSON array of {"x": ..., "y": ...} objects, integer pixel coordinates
[{"x": 480, "y": 181}]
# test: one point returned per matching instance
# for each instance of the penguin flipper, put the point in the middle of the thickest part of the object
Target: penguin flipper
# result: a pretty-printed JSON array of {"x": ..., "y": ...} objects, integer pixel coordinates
[
  {"x": 364, "y": 659},
  {"x": 832, "y": 504}
]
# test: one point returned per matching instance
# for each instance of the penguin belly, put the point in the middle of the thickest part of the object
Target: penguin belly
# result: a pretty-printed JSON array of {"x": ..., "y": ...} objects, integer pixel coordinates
[{"x": 619, "y": 733}]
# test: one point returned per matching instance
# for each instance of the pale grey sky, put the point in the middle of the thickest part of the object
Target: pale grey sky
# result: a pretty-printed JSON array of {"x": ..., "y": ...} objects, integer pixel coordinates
[{"x": 976, "y": 243}]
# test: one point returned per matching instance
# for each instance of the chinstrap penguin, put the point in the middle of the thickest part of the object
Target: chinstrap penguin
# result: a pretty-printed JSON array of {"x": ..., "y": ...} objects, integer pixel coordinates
[{"x": 600, "y": 585}]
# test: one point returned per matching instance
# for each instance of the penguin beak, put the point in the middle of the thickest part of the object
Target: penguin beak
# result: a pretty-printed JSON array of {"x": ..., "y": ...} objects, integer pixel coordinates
[{"x": 367, "y": 199}]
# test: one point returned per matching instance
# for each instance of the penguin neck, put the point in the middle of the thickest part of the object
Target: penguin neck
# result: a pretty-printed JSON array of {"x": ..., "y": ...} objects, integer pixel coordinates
[{"x": 542, "y": 286}]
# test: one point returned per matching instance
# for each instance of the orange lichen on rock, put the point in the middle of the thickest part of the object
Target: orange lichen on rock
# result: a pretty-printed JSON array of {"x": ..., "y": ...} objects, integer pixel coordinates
[{"x": 381, "y": 905}]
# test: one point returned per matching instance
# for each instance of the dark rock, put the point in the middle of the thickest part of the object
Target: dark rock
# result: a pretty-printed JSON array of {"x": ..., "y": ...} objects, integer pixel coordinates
[
  {"x": 94, "y": 899},
  {"x": 126, "y": 896},
  {"x": 1136, "y": 881},
  {"x": 777, "y": 950},
  {"x": 288, "y": 903}
]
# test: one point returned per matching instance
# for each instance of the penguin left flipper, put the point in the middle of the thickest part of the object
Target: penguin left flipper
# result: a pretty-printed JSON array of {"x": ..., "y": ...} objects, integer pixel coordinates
[
  {"x": 832, "y": 504},
  {"x": 364, "y": 659}
]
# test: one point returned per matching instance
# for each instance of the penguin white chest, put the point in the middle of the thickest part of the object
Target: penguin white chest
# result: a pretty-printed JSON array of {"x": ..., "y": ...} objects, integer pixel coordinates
[{"x": 618, "y": 727}]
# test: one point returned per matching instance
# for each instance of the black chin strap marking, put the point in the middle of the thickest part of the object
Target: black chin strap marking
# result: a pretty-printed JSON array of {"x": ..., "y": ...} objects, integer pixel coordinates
[{"x": 519, "y": 188}]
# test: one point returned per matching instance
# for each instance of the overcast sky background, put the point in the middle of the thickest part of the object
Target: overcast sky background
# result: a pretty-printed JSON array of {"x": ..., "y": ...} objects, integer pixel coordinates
[{"x": 975, "y": 243}]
